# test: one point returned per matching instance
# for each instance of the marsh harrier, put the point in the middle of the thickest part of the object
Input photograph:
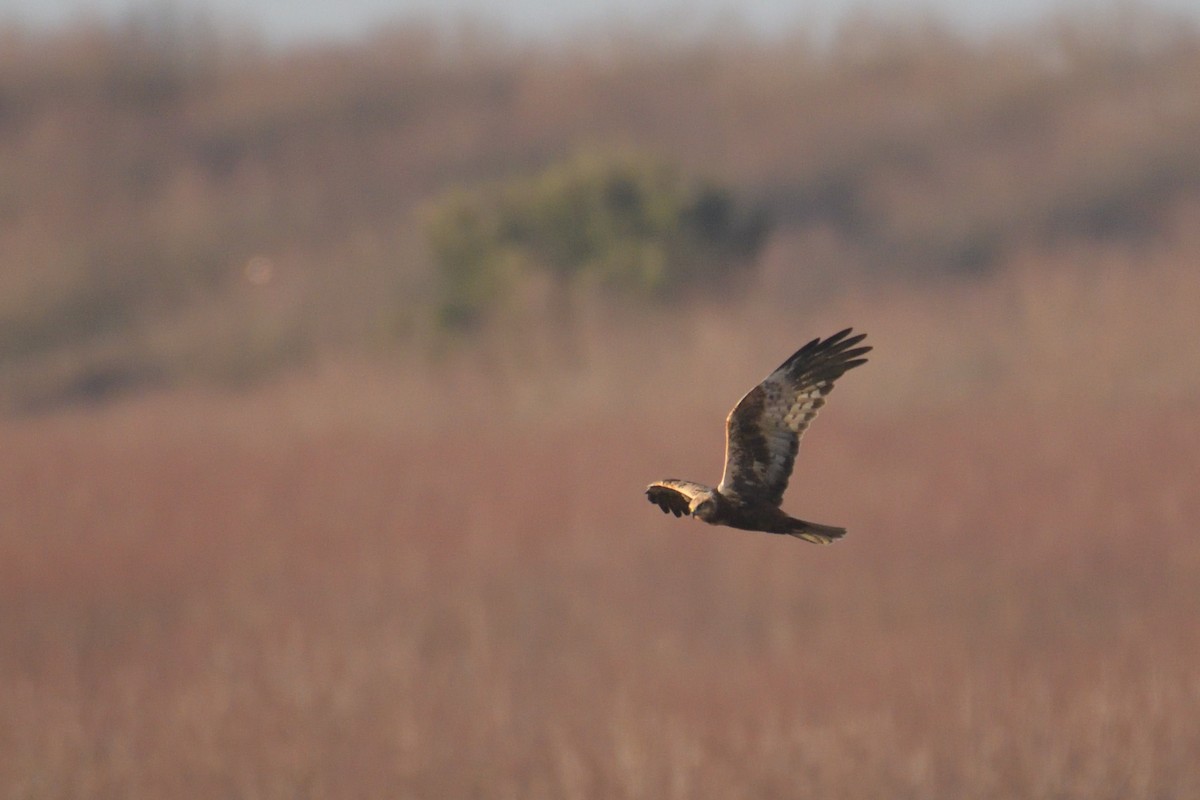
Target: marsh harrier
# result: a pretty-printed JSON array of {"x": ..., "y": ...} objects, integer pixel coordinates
[{"x": 762, "y": 436}]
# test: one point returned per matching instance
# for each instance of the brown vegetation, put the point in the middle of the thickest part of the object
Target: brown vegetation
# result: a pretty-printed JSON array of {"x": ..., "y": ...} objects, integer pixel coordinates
[
  {"x": 433, "y": 574},
  {"x": 363, "y": 583},
  {"x": 177, "y": 205}
]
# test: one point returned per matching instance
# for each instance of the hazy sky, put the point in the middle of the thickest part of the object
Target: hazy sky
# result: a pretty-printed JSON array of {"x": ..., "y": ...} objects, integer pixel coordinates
[{"x": 286, "y": 21}]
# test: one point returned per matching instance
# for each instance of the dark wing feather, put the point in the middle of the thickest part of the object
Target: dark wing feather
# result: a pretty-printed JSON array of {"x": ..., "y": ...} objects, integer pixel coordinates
[
  {"x": 762, "y": 432},
  {"x": 675, "y": 496}
]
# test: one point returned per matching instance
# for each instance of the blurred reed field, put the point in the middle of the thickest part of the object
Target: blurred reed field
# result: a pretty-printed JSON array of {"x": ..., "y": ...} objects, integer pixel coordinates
[{"x": 268, "y": 530}]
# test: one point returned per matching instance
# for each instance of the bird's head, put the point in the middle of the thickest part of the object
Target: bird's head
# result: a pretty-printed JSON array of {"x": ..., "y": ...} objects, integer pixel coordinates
[{"x": 704, "y": 506}]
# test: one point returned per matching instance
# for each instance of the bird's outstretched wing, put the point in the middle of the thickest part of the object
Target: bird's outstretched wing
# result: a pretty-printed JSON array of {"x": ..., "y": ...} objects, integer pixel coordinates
[
  {"x": 762, "y": 432},
  {"x": 675, "y": 496}
]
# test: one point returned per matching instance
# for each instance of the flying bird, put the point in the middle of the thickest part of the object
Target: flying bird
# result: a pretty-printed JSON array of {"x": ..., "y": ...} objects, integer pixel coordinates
[{"x": 762, "y": 436}]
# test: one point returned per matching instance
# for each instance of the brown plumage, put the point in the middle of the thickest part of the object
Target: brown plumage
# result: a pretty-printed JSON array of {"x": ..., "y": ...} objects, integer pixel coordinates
[{"x": 762, "y": 436}]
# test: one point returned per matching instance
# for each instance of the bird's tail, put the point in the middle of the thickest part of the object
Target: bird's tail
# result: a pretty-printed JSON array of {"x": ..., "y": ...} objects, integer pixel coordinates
[{"x": 812, "y": 532}]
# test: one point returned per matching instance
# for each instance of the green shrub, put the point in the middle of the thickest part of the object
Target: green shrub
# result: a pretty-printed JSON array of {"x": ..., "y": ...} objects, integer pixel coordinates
[{"x": 627, "y": 224}]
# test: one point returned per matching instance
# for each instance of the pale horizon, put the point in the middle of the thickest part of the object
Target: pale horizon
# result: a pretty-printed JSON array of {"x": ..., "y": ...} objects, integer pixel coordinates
[{"x": 284, "y": 23}]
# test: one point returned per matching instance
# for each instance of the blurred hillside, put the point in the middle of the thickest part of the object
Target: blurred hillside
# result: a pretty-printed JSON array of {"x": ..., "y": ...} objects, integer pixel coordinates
[{"x": 181, "y": 206}]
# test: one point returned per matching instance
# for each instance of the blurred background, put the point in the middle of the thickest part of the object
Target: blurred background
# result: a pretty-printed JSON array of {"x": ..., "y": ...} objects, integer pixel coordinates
[{"x": 338, "y": 345}]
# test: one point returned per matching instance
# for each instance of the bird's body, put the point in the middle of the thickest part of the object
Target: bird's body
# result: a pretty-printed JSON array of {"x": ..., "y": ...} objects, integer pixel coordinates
[{"x": 762, "y": 437}]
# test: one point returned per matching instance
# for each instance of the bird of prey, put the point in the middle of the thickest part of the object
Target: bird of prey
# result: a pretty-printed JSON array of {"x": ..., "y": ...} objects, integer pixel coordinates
[{"x": 762, "y": 436}]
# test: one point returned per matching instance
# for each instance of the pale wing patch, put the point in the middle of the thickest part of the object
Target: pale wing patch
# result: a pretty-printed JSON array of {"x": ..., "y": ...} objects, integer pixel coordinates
[
  {"x": 688, "y": 488},
  {"x": 804, "y": 407},
  {"x": 675, "y": 496}
]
